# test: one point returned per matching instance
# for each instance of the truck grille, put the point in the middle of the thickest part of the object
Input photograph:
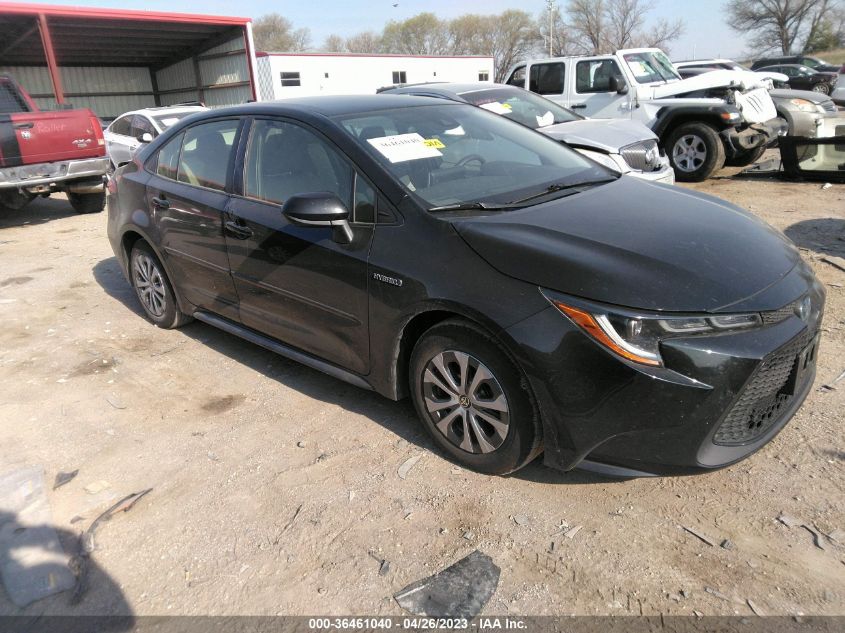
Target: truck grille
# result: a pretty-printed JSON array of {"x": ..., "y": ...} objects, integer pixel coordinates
[
  {"x": 642, "y": 156},
  {"x": 768, "y": 393}
]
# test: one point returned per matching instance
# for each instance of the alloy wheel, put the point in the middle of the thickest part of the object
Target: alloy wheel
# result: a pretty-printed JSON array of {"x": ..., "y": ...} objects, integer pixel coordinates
[
  {"x": 465, "y": 402},
  {"x": 689, "y": 153},
  {"x": 149, "y": 284}
]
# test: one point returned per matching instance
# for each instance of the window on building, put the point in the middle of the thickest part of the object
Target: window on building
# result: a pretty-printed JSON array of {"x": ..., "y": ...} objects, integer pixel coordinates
[
  {"x": 290, "y": 79},
  {"x": 400, "y": 77},
  {"x": 483, "y": 76}
]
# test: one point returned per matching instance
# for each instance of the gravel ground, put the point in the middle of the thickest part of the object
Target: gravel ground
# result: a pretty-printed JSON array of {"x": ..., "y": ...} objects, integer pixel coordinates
[{"x": 276, "y": 488}]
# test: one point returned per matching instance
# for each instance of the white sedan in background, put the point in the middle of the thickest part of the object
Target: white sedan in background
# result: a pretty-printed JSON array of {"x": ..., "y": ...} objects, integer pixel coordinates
[{"x": 130, "y": 130}]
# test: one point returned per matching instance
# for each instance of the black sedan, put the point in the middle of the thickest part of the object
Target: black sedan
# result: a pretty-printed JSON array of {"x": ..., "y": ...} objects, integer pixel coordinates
[
  {"x": 804, "y": 78},
  {"x": 527, "y": 299}
]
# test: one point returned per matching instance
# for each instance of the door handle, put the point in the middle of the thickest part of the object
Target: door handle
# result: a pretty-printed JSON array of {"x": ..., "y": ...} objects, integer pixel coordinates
[
  {"x": 578, "y": 106},
  {"x": 161, "y": 203},
  {"x": 238, "y": 230},
  {"x": 26, "y": 125}
]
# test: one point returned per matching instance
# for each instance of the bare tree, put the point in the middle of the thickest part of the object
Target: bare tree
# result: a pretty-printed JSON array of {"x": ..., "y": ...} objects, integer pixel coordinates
[
  {"x": 661, "y": 34},
  {"x": 587, "y": 22},
  {"x": 364, "y": 42},
  {"x": 334, "y": 44},
  {"x": 423, "y": 34},
  {"x": 513, "y": 38},
  {"x": 784, "y": 24},
  {"x": 274, "y": 32}
]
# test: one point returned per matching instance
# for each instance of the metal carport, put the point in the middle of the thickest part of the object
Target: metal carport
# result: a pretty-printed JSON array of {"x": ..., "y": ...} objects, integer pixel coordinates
[{"x": 115, "y": 60}]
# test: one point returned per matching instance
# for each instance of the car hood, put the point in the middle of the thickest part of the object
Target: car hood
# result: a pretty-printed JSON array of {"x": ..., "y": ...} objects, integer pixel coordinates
[
  {"x": 641, "y": 245},
  {"x": 741, "y": 79},
  {"x": 608, "y": 135},
  {"x": 808, "y": 95}
]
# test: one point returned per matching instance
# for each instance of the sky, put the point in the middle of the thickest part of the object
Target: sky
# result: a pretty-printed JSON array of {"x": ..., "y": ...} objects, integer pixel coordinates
[{"x": 706, "y": 35}]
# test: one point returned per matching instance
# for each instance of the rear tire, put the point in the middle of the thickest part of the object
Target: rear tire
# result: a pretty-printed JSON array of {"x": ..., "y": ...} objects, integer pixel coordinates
[
  {"x": 153, "y": 288},
  {"x": 87, "y": 202},
  {"x": 695, "y": 151},
  {"x": 480, "y": 411},
  {"x": 822, "y": 88}
]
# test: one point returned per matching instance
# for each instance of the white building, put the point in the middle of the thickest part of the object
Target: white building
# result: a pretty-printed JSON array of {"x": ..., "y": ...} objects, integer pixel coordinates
[{"x": 285, "y": 75}]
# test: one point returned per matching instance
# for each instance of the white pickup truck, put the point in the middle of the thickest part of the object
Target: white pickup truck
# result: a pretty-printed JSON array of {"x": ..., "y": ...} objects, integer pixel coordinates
[{"x": 704, "y": 122}]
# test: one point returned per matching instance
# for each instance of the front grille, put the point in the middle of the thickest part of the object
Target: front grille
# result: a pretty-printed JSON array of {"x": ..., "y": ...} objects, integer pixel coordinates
[
  {"x": 767, "y": 394},
  {"x": 642, "y": 156},
  {"x": 829, "y": 106}
]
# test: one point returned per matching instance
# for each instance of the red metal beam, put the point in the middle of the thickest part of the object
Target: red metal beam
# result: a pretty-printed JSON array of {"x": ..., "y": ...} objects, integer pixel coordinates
[
  {"x": 116, "y": 14},
  {"x": 52, "y": 65}
]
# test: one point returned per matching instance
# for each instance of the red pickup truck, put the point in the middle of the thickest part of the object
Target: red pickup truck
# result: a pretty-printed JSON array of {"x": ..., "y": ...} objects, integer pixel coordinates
[{"x": 45, "y": 152}]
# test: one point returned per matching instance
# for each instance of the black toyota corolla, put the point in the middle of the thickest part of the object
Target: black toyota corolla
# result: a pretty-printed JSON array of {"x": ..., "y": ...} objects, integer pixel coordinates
[{"x": 527, "y": 299}]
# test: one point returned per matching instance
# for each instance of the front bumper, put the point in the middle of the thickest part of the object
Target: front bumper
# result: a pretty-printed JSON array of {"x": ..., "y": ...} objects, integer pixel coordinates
[
  {"x": 42, "y": 177},
  {"x": 753, "y": 136},
  {"x": 718, "y": 399},
  {"x": 665, "y": 174}
]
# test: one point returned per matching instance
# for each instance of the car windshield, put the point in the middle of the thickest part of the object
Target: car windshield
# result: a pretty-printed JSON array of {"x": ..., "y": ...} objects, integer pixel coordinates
[
  {"x": 521, "y": 106},
  {"x": 164, "y": 121},
  {"x": 458, "y": 154},
  {"x": 651, "y": 66}
]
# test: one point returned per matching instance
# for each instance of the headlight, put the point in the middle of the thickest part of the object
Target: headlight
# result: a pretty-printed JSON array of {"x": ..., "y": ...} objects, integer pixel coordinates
[
  {"x": 637, "y": 338},
  {"x": 803, "y": 105}
]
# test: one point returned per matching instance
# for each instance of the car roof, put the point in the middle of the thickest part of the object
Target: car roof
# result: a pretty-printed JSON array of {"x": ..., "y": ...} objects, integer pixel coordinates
[
  {"x": 447, "y": 88},
  {"x": 164, "y": 110},
  {"x": 331, "y": 106}
]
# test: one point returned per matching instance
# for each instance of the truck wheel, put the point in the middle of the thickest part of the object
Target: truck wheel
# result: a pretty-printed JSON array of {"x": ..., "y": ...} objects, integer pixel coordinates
[
  {"x": 741, "y": 159},
  {"x": 695, "y": 151},
  {"x": 87, "y": 202}
]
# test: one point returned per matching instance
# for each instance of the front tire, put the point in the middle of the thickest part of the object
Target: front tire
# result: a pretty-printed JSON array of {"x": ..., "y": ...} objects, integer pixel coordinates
[
  {"x": 153, "y": 289},
  {"x": 473, "y": 399},
  {"x": 87, "y": 202},
  {"x": 695, "y": 151},
  {"x": 822, "y": 88}
]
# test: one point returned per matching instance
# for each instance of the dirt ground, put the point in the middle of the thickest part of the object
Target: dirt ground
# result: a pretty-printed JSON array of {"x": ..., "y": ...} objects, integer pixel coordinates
[{"x": 276, "y": 491}]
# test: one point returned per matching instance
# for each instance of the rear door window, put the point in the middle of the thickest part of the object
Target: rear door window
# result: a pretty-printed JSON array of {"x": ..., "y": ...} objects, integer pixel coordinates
[
  {"x": 168, "y": 158},
  {"x": 206, "y": 154},
  {"x": 547, "y": 79}
]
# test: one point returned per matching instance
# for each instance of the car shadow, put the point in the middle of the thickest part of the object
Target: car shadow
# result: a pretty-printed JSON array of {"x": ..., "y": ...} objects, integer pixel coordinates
[
  {"x": 102, "y": 596},
  {"x": 823, "y": 235},
  {"x": 39, "y": 211},
  {"x": 399, "y": 418}
]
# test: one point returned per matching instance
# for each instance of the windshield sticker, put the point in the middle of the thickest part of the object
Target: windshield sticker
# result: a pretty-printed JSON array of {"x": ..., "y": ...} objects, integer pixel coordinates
[
  {"x": 640, "y": 69},
  {"x": 436, "y": 143},
  {"x": 169, "y": 121},
  {"x": 497, "y": 108},
  {"x": 455, "y": 131},
  {"x": 403, "y": 147},
  {"x": 547, "y": 119}
]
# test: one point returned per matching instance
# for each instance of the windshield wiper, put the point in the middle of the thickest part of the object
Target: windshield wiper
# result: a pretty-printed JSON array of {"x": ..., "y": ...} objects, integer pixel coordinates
[
  {"x": 562, "y": 187},
  {"x": 473, "y": 205}
]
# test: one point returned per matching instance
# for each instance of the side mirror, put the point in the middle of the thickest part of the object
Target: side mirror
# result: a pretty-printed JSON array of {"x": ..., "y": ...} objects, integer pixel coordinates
[
  {"x": 320, "y": 208},
  {"x": 618, "y": 85},
  {"x": 146, "y": 137}
]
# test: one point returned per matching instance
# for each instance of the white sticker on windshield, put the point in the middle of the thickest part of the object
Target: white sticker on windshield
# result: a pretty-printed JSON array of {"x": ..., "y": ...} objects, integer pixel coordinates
[
  {"x": 497, "y": 108},
  {"x": 169, "y": 121},
  {"x": 547, "y": 119},
  {"x": 403, "y": 147}
]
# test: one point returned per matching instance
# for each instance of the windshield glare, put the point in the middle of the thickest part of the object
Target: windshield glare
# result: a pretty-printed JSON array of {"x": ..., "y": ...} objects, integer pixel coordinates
[
  {"x": 521, "y": 106},
  {"x": 652, "y": 66},
  {"x": 452, "y": 154}
]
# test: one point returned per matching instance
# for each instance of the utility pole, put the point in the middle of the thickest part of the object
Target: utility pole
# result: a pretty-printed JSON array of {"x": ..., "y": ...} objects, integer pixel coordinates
[{"x": 550, "y": 4}]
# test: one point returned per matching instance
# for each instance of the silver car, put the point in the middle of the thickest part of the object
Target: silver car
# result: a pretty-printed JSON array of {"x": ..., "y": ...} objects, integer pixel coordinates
[
  {"x": 624, "y": 145},
  {"x": 130, "y": 130}
]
